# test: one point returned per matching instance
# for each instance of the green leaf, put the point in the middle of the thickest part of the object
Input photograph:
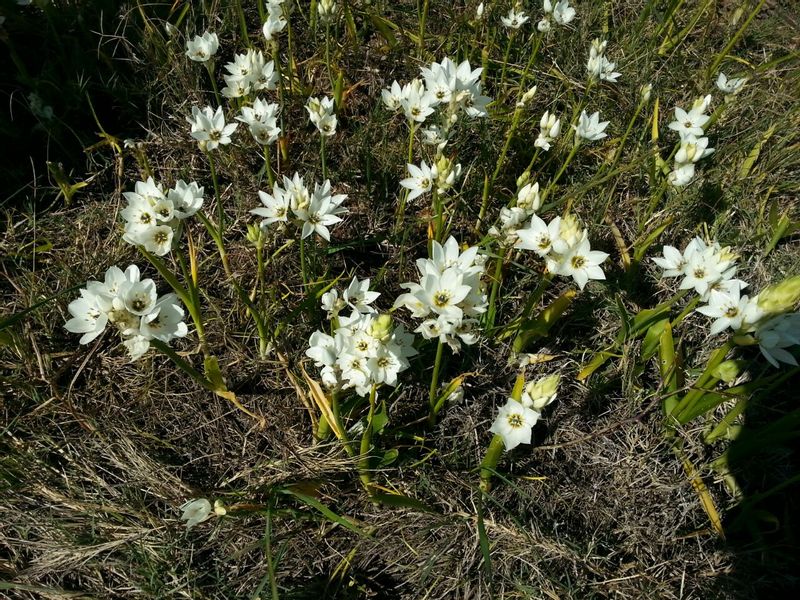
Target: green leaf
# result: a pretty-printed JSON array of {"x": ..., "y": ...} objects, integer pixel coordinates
[
  {"x": 402, "y": 501},
  {"x": 324, "y": 510}
]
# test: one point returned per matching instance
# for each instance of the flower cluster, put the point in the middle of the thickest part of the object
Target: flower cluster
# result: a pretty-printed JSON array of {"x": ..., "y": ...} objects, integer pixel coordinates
[
  {"x": 132, "y": 306},
  {"x": 598, "y": 66},
  {"x": 451, "y": 88},
  {"x": 694, "y": 146},
  {"x": 512, "y": 218},
  {"x": 262, "y": 120},
  {"x": 704, "y": 267},
  {"x": 549, "y": 128},
  {"x": 275, "y": 22},
  {"x": 562, "y": 13},
  {"x": 515, "y": 420},
  {"x": 449, "y": 294},
  {"x": 321, "y": 113},
  {"x": 152, "y": 216},
  {"x": 440, "y": 175},
  {"x": 294, "y": 203},
  {"x": 203, "y": 47},
  {"x": 564, "y": 245},
  {"x": 366, "y": 349},
  {"x": 764, "y": 319},
  {"x": 209, "y": 128},
  {"x": 249, "y": 73}
]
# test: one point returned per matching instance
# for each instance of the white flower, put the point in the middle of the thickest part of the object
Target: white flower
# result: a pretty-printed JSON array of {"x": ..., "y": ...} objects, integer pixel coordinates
[
  {"x": 682, "y": 174},
  {"x": 275, "y": 21},
  {"x": 673, "y": 262},
  {"x": 326, "y": 9},
  {"x": 276, "y": 206},
  {"x": 729, "y": 86},
  {"x": 563, "y": 13},
  {"x": 416, "y": 102},
  {"x": 514, "y": 423},
  {"x": 320, "y": 111},
  {"x": 539, "y": 236},
  {"x": 590, "y": 128},
  {"x": 157, "y": 240},
  {"x": 582, "y": 263},
  {"x": 261, "y": 119},
  {"x": 544, "y": 25},
  {"x": 728, "y": 310},
  {"x": 186, "y": 198},
  {"x": 87, "y": 317},
  {"x": 528, "y": 197},
  {"x": 132, "y": 306},
  {"x": 209, "y": 127},
  {"x": 549, "y": 128},
  {"x": 165, "y": 321},
  {"x": 202, "y": 47},
  {"x": 689, "y": 123},
  {"x": 421, "y": 180},
  {"x": 514, "y": 19},
  {"x": 479, "y": 11},
  {"x": 449, "y": 292},
  {"x": 322, "y": 211},
  {"x": 359, "y": 297},
  {"x": 692, "y": 149},
  {"x": 196, "y": 511},
  {"x": 391, "y": 97}
]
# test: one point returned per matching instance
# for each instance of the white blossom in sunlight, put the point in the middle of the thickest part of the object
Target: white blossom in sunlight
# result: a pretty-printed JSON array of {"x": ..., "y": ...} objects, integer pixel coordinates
[
  {"x": 209, "y": 127},
  {"x": 202, "y": 47},
  {"x": 131, "y": 305},
  {"x": 321, "y": 114},
  {"x": 729, "y": 86},
  {"x": 590, "y": 127}
]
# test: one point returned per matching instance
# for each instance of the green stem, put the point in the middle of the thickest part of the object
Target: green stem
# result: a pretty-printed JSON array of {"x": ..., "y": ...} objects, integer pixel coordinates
[
  {"x": 183, "y": 365},
  {"x": 533, "y": 159},
  {"x": 563, "y": 168},
  {"x": 438, "y": 211},
  {"x": 322, "y": 156},
  {"x": 505, "y": 63},
  {"x": 434, "y": 388},
  {"x": 422, "y": 19},
  {"x": 328, "y": 53},
  {"x": 337, "y": 415},
  {"x": 366, "y": 441},
  {"x": 273, "y": 582},
  {"x": 242, "y": 23},
  {"x": 220, "y": 210},
  {"x": 501, "y": 159},
  {"x": 303, "y": 262},
  {"x": 496, "y": 282},
  {"x": 209, "y": 64},
  {"x": 401, "y": 208},
  {"x": 290, "y": 58},
  {"x": 268, "y": 165},
  {"x": 490, "y": 460}
]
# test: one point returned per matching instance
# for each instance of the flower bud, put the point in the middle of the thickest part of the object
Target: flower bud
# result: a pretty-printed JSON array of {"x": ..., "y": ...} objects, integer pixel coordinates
[
  {"x": 702, "y": 104},
  {"x": 255, "y": 235},
  {"x": 523, "y": 179},
  {"x": 540, "y": 393},
  {"x": 728, "y": 371},
  {"x": 381, "y": 327},
  {"x": 780, "y": 297},
  {"x": 479, "y": 11},
  {"x": 219, "y": 508},
  {"x": 570, "y": 230},
  {"x": 646, "y": 92}
]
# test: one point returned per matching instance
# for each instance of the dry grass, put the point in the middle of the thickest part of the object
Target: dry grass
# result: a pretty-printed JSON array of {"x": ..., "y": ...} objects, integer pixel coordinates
[{"x": 98, "y": 453}]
